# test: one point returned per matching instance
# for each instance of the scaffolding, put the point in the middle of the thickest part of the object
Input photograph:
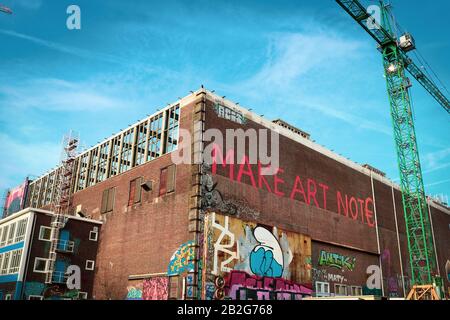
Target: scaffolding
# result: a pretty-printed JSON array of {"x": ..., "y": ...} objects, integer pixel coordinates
[{"x": 62, "y": 200}]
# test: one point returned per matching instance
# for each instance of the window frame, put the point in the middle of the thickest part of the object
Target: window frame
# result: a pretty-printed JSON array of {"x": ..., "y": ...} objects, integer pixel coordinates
[
  {"x": 166, "y": 174},
  {"x": 322, "y": 285},
  {"x": 336, "y": 285},
  {"x": 35, "y": 296},
  {"x": 84, "y": 294},
  {"x": 40, "y": 233},
  {"x": 355, "y": 287},
  {"x": 36, "y": 259},
  {"x": 107, "y": 204},
  {"x": 88, "y": 262},
  {"x": 96, "y": 235}
]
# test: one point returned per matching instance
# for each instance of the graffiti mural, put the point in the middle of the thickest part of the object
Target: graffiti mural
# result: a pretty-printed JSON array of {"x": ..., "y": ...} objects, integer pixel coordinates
[
  {"x": 156, "y": 288},
  {"x": 15, "y": 200},
  {"x": 262, "y": 257},
  {"x": 323, "y": 275},
  {"x": 242, "y": 286},
  {"x": 223, "y": 246},
  {"x": 182, "y": 259},
  {"x": 266, "y": 259},
  {"x": 33, "y": 288},
  {"x": 213, "y": 200},
  {"x": 135, "y": 292},
  {"x": 336, "y": 260}
]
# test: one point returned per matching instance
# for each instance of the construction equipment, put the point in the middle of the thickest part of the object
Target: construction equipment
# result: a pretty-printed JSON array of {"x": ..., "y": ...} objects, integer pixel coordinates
[
  {"x": 61, "y": 200},
  {"x": 395, "y": 61}
]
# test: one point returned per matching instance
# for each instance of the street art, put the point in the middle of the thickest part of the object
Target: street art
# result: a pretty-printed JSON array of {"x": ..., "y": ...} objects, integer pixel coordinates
[
  {"x": 336, "y": 260},
  {"x": 213, "y": 200},
  {"x": 15, "y": 200},
  {"x": 189, "y": 288},
  {"x": 393, "y": 281},
  {"x": 33, "y": 288},
  {"x": 261, "y": 255},
  {"x": 305, "y": 189},
  {"x": 182, "y": 259},
  {"x": 134, "y": 292},
  {"x": 156, "y": 288},
  {"x": 241, "y": 285},
  {"x": 322, "y": 275},
  {"x": 229, "y": 114},
  {"x": 219, "y": 246},
  {"x": 266, "y": 259}
]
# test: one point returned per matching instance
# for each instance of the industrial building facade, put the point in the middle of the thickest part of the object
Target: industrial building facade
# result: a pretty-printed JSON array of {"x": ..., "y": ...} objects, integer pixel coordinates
[{"x": 321, "y": 225}]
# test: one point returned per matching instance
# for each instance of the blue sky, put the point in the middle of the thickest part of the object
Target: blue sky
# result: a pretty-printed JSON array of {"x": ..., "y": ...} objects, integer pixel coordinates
[{"x": 304, "y": 61}]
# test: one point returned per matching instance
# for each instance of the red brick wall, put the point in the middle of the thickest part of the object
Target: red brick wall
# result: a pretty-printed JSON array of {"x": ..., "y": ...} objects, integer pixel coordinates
[
  {"x": 139, "y": 239},
  {"x": 327, "y": 226}
]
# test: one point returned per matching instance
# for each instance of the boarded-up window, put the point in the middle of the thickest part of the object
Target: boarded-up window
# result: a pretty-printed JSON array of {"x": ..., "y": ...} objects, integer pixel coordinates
[
  {"x": 175, "y": 287},
  {"x": 171, "y": 178},
  {"x": 135, "y": 191},
  {"x": 108, "y": 200},
  {"x": 167, "y": 180}
]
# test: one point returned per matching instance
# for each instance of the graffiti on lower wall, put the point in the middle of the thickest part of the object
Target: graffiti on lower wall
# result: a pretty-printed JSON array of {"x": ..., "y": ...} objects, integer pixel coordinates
[
  {"x": 323, "y": 275},
  {"x": 156, "y": 288},
  {"x": 336, "y": 260},
  {"x": 135, "y": 292},
  {"x": 240, "y": 285},
  {"x": 260, "y": 254}
]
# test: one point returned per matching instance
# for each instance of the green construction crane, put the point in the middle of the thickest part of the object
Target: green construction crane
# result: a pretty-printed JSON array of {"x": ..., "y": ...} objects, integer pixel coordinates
[{"x": 396, "y": 62}]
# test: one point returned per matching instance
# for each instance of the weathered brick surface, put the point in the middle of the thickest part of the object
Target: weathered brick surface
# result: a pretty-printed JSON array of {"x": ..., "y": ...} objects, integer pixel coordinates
[{"x": 142, "y": 238}]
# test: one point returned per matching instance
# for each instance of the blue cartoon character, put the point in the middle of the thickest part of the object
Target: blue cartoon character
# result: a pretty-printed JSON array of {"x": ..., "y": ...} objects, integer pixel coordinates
[{"x": 266, "y": 259}]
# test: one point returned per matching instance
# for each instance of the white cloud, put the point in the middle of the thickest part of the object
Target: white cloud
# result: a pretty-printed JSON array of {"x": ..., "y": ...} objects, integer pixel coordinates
[
  {"x": 292, "y": 55},
  {"x": 433, "y": 161},
  {"x": 22, "y": 159},
  {"x": 60, "y": 95},
  {"x": 301, "y": 72},
  {"x": 28, "y": 4}
]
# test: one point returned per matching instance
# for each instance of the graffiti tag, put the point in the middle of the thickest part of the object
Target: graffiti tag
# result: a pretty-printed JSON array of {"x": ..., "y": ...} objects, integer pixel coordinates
[{"x": 336, "y": 260}]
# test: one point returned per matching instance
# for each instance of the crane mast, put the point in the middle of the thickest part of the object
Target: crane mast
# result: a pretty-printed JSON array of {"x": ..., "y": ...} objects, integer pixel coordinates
[
  {"x": 396, "y": 63},
  {"x": 418, "y": 226}
]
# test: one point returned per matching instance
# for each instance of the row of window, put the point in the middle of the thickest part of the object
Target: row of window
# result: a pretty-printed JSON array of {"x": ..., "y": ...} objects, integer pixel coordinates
[
  {"x": 10, "y": 262},
  {"x": 166, "y": 185},
  {"x": 80, "y": 296},
  {"x": 323, "y": 289},
  {"x": 146, "y": 141},
  {"x": 13, "y": 232},
  {"x": 45, "y": 234},
  {"x": 41, "y": 265}
]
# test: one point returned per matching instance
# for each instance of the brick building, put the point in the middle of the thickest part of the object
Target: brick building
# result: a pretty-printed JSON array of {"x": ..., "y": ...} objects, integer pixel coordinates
[
  {"x": 24, "y": 256},
  {"x": 322, "y": 225}
]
